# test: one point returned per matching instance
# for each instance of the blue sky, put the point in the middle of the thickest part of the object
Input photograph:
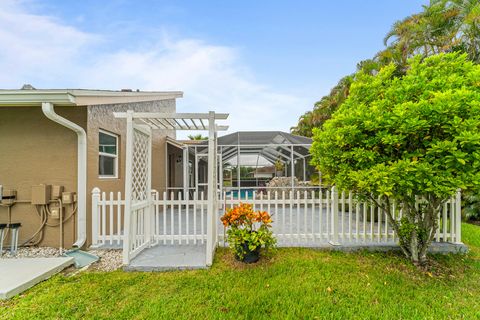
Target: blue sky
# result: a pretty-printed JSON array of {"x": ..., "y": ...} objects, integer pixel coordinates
[{"x": 265, "y": 62}]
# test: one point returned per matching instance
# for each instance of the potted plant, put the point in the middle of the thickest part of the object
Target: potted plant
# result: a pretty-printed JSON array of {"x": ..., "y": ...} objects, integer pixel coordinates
[
  {"x": 279, "y": 166},
  {"x": 248, "y": 231}
]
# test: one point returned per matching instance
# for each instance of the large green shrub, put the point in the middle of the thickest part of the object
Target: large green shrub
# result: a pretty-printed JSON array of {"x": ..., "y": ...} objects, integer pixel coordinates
[{"x": 401, "y": 137}]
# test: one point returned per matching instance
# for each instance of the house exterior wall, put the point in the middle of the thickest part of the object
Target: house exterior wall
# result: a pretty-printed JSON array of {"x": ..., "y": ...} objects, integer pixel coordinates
[
  {"x": 101, "y": 118},
  {"x": 36, "y": 150}
]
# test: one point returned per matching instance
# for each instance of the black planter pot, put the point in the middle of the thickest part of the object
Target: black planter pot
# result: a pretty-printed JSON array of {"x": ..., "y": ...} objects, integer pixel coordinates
[{"x": 249, "y": 256}]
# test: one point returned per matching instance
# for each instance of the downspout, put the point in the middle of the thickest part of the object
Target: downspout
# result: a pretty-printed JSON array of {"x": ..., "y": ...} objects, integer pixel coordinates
[{"x": 49, "y": 112}]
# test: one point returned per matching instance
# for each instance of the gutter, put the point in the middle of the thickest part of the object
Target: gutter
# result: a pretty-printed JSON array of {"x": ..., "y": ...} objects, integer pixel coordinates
[{"x": 49, "y": 112}]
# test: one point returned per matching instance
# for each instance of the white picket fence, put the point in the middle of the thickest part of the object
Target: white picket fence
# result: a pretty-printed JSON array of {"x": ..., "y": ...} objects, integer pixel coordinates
[
  {"x": 178, "y": 221},
  {"x": 173, "y": 220},
  {"x": 300, "y": 218},
  {"x": 107, "y": 218},
  {"x": 315, "y": 217}
]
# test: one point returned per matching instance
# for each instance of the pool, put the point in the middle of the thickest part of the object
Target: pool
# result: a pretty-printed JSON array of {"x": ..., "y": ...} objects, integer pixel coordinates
[{"x": 244, "y": 194}]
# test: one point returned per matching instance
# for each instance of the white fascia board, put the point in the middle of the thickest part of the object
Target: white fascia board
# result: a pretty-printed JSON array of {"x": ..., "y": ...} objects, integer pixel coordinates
[
  {"x": 32, "y": 98},
  {"x": 112, "y": 93},
  {"x": 67, "y": 97},
  {"x": 98, "y": 99}
]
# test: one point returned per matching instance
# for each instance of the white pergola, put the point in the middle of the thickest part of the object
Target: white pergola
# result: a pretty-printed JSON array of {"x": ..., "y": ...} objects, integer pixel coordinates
[
  {"x": 179, "y": 121},
  {"x": 138, "y": 165}
]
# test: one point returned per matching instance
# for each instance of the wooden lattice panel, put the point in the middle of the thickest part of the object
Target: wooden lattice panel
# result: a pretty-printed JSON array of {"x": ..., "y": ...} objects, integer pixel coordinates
[{"x": 141, "y": 155}]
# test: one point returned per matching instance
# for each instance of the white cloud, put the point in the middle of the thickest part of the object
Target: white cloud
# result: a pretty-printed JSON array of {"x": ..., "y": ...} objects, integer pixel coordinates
[
  {"x": 37, "y": 48},
  {"x": 46, "y": 52}
]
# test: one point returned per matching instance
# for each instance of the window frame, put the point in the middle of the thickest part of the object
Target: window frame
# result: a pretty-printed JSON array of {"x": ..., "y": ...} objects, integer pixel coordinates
[{"x": 109, "y": 155}]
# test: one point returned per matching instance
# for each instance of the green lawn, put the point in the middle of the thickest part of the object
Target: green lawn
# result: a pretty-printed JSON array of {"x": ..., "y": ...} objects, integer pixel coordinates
[{"x": 295, "y": 283}]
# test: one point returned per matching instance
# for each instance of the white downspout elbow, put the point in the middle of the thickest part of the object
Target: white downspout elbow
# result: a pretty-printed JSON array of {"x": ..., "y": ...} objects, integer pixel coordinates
[{"x": 49, "y": 111}]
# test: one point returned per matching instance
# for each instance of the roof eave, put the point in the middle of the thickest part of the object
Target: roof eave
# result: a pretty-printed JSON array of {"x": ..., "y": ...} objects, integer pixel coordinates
[
  {"x": 80, "y": 97},
  {"x": 90, "y": 100},
  {"x": 32, "y": 98}
]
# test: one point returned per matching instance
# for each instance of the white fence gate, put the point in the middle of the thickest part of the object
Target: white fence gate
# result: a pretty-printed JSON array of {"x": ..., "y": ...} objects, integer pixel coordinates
[
  {"x": 140, "y": 214},
  {"x": 180, "y": 221},
  {"x": 138, "y": 199},
  {"x": 300, "y": 218}
]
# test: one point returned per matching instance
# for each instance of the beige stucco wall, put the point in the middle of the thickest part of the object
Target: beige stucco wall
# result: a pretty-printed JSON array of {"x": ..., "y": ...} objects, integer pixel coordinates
[
  {"x": 101, "y": 118},
  {"x": 35, "y": 150}
]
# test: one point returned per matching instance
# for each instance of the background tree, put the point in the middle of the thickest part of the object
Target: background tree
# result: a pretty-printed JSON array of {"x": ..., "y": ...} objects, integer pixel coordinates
[
  {"x": 466, "y": 16},
  {"x": 323, "y": 109},
  {"x": 396, "y": 138},
  {"x": 197, "y": 137},
  {"x": 442, "y": 26}
]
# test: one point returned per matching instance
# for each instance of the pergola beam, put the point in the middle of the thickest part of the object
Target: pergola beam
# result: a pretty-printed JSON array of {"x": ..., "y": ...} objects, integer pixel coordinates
[
  {"x": 203, "y": 124},
  {"x": 159, "y": 115},
  {"x": 159, "y": 123},
  {"x": 194, "y": 124},
  {"x": 185, "y": 122},
  {"x": 221, "y": 128},
  {"x": 173, "y": 121},
  {"x": 149, "y": 123},
  {"x": 165, "y": 123}
]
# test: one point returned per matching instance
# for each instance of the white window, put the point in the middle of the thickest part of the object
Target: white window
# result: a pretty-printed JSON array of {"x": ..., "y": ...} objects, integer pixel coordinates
[{"x": 107, "y": 155}]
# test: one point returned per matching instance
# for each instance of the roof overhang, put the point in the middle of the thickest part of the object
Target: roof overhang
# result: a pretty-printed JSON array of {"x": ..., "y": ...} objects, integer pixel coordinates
[
  {"x": 175, "y": 143},
  {"x": 28, "y": 99},
  {"x": 78, "y": 97}
]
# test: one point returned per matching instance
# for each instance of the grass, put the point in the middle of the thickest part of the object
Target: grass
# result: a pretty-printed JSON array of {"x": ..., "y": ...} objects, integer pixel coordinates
[{"x": 294, "y": 283}]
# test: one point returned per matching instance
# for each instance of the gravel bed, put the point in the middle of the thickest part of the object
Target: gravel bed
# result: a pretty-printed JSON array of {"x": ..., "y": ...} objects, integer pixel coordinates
[
  {"x": 33, "y": 252},
  {"x": 110, "y": 259}
]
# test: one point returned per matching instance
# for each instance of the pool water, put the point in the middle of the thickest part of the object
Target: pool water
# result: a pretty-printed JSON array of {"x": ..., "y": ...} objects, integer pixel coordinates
[{"x": 244, "y": 194}]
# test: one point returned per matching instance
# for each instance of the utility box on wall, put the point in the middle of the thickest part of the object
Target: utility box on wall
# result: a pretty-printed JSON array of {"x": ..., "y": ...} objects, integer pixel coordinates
[
  {"x": 8, "y": 196},
  {"x": 67, "y": 197},
  {"x": 57, "y": 192},
  {"x": 55, "y": 211},
  {"x": 41, "y": 194}
]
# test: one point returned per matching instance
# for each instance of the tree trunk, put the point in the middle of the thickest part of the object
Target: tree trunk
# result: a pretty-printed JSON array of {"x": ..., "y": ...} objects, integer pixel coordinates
[
  {"x": 417, "y": 230},
  {"x": 414, "y": 247}
]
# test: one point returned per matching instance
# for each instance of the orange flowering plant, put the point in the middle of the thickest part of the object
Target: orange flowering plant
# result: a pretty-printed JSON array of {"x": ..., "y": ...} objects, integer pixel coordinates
[{"x": 248, "y": 231}]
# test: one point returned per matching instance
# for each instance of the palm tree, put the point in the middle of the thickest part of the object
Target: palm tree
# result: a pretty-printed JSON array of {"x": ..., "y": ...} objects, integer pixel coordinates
[
  {"x": 466, "y": 15},
  {"x": 369, "y": 66},
  {"x": 407, "y": 37},
  {"x": 323, "y": 109},
  {"x": 442, "y": 26},
  {"x": 197, "y": 137}
]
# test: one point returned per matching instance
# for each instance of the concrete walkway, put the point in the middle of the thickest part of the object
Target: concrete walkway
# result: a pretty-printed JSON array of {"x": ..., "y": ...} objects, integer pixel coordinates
[
  {"x": 169, "y": 257},
  {"x": 17, "y": 275}
]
